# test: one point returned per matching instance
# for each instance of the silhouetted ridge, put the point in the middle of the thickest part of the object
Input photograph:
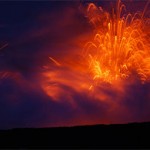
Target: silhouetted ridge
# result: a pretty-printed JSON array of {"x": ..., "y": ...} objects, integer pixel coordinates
[{"x": 133, "y": 135}]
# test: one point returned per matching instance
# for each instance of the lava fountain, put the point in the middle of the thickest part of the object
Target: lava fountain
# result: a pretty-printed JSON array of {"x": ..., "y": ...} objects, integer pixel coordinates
[
  {"x": 121, "y": 45},
  {"x": 119, "y": 50}
]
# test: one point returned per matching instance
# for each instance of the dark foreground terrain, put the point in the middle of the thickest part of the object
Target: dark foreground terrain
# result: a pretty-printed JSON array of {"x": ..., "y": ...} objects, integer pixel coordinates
[{"x": 135, "y": 135}]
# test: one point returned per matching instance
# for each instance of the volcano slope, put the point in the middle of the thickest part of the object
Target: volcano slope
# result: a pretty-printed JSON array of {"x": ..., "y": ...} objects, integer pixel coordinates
[{"x": 132, "y": 135}]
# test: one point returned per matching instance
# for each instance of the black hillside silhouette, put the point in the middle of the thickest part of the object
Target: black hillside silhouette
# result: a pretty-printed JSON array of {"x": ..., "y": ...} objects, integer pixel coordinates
[{"x": 133, "y": 135}]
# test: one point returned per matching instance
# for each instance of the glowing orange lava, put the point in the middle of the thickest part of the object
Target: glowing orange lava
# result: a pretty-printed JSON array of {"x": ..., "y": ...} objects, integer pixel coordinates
[
  {"x": 120, "y": 50},
  {"x": 121, "y": 45}
]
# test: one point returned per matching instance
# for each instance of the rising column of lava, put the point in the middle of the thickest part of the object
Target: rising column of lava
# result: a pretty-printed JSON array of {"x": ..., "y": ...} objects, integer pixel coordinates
[{"x": 121, "y": 46}]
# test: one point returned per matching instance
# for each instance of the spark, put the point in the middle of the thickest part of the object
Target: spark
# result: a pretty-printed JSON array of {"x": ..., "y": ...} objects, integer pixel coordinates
[
  {"x": 56, "y": 62},
  {"x": 5, "y": 45}
]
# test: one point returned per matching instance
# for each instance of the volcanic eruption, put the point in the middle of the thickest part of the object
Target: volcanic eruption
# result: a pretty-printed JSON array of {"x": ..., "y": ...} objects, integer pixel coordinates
[
  {"x": 85, "y": 64},
  {"x": 119, "y": 50}
]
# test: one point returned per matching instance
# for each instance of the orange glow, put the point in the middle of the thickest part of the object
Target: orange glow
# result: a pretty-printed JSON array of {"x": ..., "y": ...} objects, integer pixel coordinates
[
  {"x": 120, "y": 49},
  {"x": 120, "y": 46},
  {"x": 62, "y": 81}
]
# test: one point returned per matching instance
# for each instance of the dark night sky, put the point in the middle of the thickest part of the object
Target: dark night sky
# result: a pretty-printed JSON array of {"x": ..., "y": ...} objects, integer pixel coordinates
[{"x": 35, "y": 30}]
